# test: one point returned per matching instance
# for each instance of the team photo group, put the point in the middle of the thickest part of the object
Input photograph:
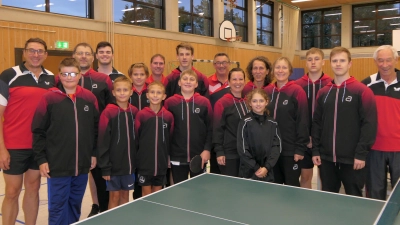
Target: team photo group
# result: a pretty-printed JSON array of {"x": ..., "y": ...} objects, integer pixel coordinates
[{"x": 147, "y": 128}]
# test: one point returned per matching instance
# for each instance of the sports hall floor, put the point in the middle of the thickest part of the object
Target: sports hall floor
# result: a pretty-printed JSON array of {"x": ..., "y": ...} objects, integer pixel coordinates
[{"x": 86, "y": 204}]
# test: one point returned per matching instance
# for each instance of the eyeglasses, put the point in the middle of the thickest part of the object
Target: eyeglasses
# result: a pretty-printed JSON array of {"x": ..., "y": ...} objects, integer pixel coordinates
[
  {"x": 32, "y": 51},
  {"x": 83, "y": 53},
  {"x": 224, "y": 63},
  {"x": 69, "y": 74}
]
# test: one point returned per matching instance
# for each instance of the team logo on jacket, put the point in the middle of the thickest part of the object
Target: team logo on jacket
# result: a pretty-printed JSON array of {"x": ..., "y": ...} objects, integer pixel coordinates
[
  {"x": 86, "y": 108},
  {"x": 285, "y": 102},
  {"x": 47, "y": 82},
  {"x": 349, "y": 98},
  {"x": 396, "y": 89},
  {"x": 295, "y": 167},
  {"x": 141, "y": 179},
  {"x": 165, "y": 125},
  {"x": 197, "y": 110},
  {"x": 94, "y": 85}
]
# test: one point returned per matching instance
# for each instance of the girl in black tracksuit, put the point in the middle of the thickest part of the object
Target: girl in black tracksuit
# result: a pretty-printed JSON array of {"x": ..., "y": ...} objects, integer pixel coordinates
[
  {"x": 258, "y": 153},
  {"x": 289, "y": 107},
  {"x": 228, "y": 111}
]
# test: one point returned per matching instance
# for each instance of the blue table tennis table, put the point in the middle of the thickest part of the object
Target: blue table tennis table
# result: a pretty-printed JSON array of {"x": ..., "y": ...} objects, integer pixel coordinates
[{"x": 217, "y": 199}]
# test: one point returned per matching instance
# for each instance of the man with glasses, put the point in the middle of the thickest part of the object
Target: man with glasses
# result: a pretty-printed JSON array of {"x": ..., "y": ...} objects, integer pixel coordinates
[
  {"x": 218, "y": 82},
  {"x": 101, "y": 86},
  {"x": 21, "y": 88},
  {"x": 218, "y": 87},
  {"x": 105, "y": 57}
]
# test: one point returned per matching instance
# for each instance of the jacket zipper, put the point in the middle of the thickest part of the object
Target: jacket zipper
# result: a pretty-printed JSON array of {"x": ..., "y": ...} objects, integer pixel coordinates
[
  {"x": 334, "y": 125},
  {"x": 155, "y": 149},
  {"x": 140, "y": 102},
  {"x": 76, "y": 141},
  {"x": 129, "y": 143},
  {"x": 313, "y": 101},
  {"x": 188, "y": 133},
  {"x": 276, "y": 105}
]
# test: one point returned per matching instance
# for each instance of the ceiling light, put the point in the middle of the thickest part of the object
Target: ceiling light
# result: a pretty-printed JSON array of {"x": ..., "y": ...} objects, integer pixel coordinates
[
  {"x": 381, "y": 10},
  {"x": 43, "y": 5},
  {"x": 394, "y": 24},
  {"x": 380, "y": 34},
  {"x": 139, "y": 21},
  {"x": 361, "y": 26},
  {"x": 356, "y": 21},
  {"x": 391, "y": 18},
  {"x": 179, "y": 2},
  {"x": 333, "y": 14},
  {"x": 130, "y": 9},
  {"x": 201, "y": 14},
  {"x": 295, "y": 1}
]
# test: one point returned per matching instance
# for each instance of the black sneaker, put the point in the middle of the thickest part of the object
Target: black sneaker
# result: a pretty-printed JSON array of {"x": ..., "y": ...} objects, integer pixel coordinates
[{"x": 95, "y": 210}]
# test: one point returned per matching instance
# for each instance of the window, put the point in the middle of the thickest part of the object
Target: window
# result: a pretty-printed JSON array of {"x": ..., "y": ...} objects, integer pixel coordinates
[
  {"x": 265, "y": 23},
  {"x": 147, "y": 13},
  {"x": 321, "y": 28},
  {"x": 238, "y": 16},
  {"x": 195, "y": 17},
  {"x": 373, "y": 23},
  {"x": 80, "y": 8}
]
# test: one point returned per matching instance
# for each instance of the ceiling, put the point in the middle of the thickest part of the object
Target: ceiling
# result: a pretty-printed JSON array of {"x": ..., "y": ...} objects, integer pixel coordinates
[{"x": 315, "y": 4}]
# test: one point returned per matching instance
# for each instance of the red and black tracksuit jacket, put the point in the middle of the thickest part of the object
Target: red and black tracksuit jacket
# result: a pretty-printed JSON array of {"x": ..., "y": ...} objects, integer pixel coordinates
[
  {"x": 311, "y": 88},
  {"x": 251, "y": 86},
  {"x": 116, "y": 143},
  {"x": 139, "y": 98},
  {"x": 258, "y": 143},
  {"x": 150, "y": 80},
  {"x": 288, "y": 106},
  {"x": 21, "y": 92},
  {"x": 65, "y": 131},
  {"x": 388, "y": 108},
  {"x": 173, "y": 87},
  {"x": 217, "y": 89},
  {"x": 153, "y": 134},
  {"x": 114, "y": 74},
  {"x": 228, "y": 111},
  {"x": 192, "y": 126},
  {"x": 344, "y": 123},
  {"x": 100, "y": 85}
]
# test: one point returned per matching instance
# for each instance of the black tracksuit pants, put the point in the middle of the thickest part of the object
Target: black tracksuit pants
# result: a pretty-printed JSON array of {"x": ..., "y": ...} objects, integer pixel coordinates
[{"x": 334, "y": 174}]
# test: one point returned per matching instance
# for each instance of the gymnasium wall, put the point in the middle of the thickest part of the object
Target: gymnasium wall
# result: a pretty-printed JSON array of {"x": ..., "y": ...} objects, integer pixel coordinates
[{"x": 137, "y": 44}]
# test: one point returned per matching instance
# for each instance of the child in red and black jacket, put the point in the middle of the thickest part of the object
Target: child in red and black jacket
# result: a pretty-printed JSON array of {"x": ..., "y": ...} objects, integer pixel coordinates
[
  {"x": 228, "y": 111},
  {"x": 192, "y": 127},
  {"x": 288, "y": 106},
  {"x": 64, "y": 131},
  {"x": 116, "y": 143},
  {"x": 139, "y": 72},
  {"x": 153, "y": 127}
]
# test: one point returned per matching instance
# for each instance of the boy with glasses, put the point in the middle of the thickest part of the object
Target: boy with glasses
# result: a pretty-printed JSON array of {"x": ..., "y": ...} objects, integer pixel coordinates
[{"x": 64, "y": 131}]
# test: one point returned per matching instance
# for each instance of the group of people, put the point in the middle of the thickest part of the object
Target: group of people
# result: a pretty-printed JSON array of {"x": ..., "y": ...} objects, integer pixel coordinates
[{"x": 140, "y": 131}]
